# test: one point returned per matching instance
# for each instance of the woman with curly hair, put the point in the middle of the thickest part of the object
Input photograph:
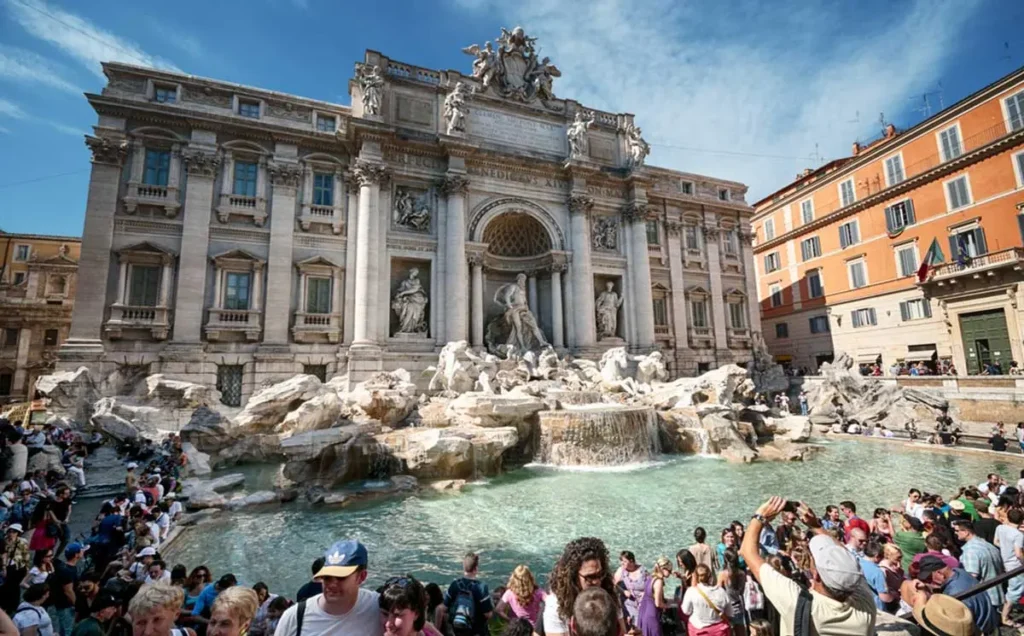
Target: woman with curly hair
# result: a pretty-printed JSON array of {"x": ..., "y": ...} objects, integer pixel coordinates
[
  {"x": 583, "y": 565},
  {"x": 522, "y": 599}
]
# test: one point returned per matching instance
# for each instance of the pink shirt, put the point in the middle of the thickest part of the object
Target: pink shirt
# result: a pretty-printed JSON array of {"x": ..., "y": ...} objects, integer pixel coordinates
[{"x": 529, "y": 612}]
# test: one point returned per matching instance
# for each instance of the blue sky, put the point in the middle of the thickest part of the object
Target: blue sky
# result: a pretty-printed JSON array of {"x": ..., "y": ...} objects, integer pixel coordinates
[{"x": 745, "y": 90}]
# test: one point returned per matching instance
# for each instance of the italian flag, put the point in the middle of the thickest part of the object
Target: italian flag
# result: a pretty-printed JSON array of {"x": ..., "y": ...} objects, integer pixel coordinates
[{"x": 931, "y": 259}]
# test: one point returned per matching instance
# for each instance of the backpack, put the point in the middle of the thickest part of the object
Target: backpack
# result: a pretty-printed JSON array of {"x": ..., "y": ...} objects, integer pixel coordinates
[
  {"x": 464, "y": 609},
  {"x": 149, "y": 498}
]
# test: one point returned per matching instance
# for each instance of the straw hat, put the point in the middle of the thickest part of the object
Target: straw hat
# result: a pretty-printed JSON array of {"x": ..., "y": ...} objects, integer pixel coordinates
[{"x": 945, "y": 616}]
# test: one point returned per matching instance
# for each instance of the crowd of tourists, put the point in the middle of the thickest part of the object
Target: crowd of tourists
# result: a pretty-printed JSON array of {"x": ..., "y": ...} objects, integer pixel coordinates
[{"x": 787, "y": 570}]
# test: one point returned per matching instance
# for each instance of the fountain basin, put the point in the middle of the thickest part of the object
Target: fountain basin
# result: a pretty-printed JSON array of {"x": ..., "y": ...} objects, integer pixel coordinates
[{"x": 598, "y": 435}]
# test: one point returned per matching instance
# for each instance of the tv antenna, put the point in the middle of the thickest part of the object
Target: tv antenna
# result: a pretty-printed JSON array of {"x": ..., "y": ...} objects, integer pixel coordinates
[
  {"x": 856, "y": 118},
  {"x": 927, "y": 99}
]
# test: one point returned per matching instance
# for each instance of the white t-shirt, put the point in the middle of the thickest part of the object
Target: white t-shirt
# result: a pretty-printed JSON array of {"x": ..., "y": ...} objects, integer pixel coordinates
[
  {"x": 914, "y": 509},
  {"x": 163, "y": 522},
  {"x": 362, "y": 620},
  {"x": 983, "y": 488},
  {"x": 140, "y": 498},
  {"x": 29, "y": 615},
  {"x": 35, "y": 575},
  {"x": 553, "y": 623},
  {"x": 700, "y": 613},
  {"x": 174, "y": 510},
  {"x": 855, "y": 617},
  {"x": 164, "y": 578},
  {"x": 139, "y": 571}
]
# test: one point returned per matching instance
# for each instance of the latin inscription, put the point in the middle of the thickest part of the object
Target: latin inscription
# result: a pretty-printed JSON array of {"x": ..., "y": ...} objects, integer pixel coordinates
[
  {"x": 605, "y": 191},
  {"x": 404, "y": 158},
  {"x": 415, "y": 111},
  {"x": 514, "y": 176},
  {"x": 517, "y": 131}
]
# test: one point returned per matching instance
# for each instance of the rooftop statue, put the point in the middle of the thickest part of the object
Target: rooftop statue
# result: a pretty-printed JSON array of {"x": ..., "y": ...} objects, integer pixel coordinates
[{"x": 513, "y": 70}]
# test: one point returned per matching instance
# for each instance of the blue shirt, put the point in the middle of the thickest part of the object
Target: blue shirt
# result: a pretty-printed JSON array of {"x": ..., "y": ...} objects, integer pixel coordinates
[
  {"x": 983, "y": 560},
  {"x": 985, "y": 617},
  {"x": 769, "y": 542},
  {"x": 876, "y": 579},
  {"x": 205, "y": 600}
]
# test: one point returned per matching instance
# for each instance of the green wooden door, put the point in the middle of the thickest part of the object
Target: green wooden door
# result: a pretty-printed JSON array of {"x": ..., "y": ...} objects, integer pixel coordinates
[{"x": 985, "y": 339}]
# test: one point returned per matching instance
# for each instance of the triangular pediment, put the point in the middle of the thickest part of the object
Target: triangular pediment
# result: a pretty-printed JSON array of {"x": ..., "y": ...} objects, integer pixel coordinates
[
  {"x": 147, "y": 248},
  {"x": 238, "y": 254},
  {"x": 317, "y": 260},
  {"x": 735, "y": 292},
  {"x": 696, "y": 289},
  {"x": 57, "y": 259}
]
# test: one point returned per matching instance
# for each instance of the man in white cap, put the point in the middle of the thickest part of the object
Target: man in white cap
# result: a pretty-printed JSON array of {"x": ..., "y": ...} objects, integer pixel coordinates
[
  {"x": 839, "y": 601},
  {"x": 140, "y": 569},
  {"x": 15, "y": 561}
]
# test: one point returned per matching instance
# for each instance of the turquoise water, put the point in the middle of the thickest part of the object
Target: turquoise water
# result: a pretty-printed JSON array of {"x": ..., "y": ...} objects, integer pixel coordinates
[{"x": 527, "y": 516}]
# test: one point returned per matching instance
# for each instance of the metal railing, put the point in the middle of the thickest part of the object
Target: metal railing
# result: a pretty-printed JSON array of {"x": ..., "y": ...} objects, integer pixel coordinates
[{"x": 992, "y": 259}]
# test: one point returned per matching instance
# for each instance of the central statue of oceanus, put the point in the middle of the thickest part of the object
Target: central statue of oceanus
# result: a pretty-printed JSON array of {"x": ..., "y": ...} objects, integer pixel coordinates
[{"x": 515, "y": 331}]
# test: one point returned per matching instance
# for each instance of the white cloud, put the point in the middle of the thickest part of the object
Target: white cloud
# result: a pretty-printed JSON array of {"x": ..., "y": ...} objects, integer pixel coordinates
[
  {"x": 4, "y": 131},
  {"x": 78, "y": 37},
  {"x": 741, "y": 78},
  {"x": 26, "y": 67},
  {"x": 12, "y": 110},
  {"x": 67, "y": 130}
]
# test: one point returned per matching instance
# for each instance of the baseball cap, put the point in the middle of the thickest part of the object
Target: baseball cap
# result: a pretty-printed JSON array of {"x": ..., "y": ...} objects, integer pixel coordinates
[
  {"x": 928, "y": 565},
  {"x": 943, "y": 615},
  {"x": 16, "y": 527},
  {"x": 103, "y": 601},
  {"x": 838, "y": 569},
  {"x": 131, "y": 465},
  {"x": 144, "y": 552},
  {"x": 343, "y": 559},
  {"x": 74, "y": 548}
]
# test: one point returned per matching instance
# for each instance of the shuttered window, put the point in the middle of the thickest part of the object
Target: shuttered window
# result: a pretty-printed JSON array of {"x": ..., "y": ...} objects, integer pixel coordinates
[
  {"x": 894, "y": 170},
  {"x": 917, "y": 309},
  {"x": 970, "y": 241},
  {"x": 1020, "y": 223},
  {"x": 769, "y": 229},
  {"x": 807, "y": 211},
  {"x": 858, "y": 274},
  {"x": 958, "y": 194},
  {"x": 814, "y": 287},
  {"x": 849, "y": 234},
  {"x": 906, "y": 260},
  {"x": 736, "y": 316},
  {"x": 1015, "y": 110},
  {"x": 771, "y": 262},
  {"x": 810, "y": 248},
  {"x": 144, "y": 285},
  {"x": 898, "y": 216},
  {"x": 949, "y": 141},
  {"x": 864, "y": 317},
  {"x": 819, "y": 324},
  {"x": 846, "y": 193},
  {"x": 699, "y": 313}
]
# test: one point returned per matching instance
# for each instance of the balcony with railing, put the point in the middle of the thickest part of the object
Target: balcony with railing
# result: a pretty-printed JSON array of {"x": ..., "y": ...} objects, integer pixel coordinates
[
  {"x": 738, "y": 338},
  {"x": 231, "y": 324},
  {"x": 315, "y": 327},
  {"x": 242, "y": 205},
  {"x": 164, "y": 196},
  {"x": 325, "y": 214},
  {"x": 123, "y": 318},
  {"x": 701, "y": 336},
  {"x": 978, "y": 267}
]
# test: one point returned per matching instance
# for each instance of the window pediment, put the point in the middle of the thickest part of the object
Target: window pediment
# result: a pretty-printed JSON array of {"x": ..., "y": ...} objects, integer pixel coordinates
[
  {"x": 236, "y": 257},
  {"x": 146, "y": 252},
  {"x": 317, "y": 265},
  {"x": 696, "y": 291}
]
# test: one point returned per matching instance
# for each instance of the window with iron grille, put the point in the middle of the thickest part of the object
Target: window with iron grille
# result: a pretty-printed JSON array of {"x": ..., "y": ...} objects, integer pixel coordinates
[
  {"x": 319, "y": 370},
  {"x": 229, "y": 383}
]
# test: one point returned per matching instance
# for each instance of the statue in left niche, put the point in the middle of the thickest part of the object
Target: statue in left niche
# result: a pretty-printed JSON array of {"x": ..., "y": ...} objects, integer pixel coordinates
[
  {"x": 371, "y": 80},
  {"x": 412, "y": 211},
  {"x": 456, "y": 108},
  {"x": 410, "y": 304},
  {"x": 579, "y": 142}
]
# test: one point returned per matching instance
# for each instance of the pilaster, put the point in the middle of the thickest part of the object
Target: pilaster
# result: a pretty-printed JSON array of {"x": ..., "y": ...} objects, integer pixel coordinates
[
  {"x": 285, "y": 177},
  {"x": 455, "y": 186},
  {"x": 674, "y": 229},
  {"x": 557, "y": 321},
  {"x": 753, "y": 305},
  {"x": 719, "y": 316},
  {"x": 201, "y": 165},
  {"x": 639, "y": 265},
  {"x": 581, "y": 271}
]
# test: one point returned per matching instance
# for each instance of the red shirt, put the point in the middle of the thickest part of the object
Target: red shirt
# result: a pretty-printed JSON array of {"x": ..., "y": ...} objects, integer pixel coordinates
[{"x": 855, "y": 522}]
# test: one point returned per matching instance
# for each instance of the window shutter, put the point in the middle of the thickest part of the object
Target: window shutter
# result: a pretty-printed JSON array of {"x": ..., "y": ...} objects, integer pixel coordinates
[
  {"x": 856, "y": 318},
  {"x": 803, "y": 250},
  {"x": 904, "y": 311},
  {"x": 909, "y": 204},
  {"x": 843, "y": 243},
  {"x": 871, "y": 315},
  {"x": 979, "y": 238},
  {"x": 927, "y": 306},
  {"x": 1020, "y": 222},
  {"x": 954, "y": 253},
  {"x": 890, "y": 222}
]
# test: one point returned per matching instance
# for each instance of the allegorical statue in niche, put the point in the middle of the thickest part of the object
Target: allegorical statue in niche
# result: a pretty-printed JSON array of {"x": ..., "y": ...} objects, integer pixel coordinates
[
  {"x": 608, "y": 304},
  {"x": 579, "y": 144},
  {"x": 456, "y": 109},
  {"x": 521, "y": 325},
  {"x": 410, "y": 303},
  {"x": 638, "y": 147},
  {"x": 372, "y": 82},
  {"x": 411, "y": 211}
]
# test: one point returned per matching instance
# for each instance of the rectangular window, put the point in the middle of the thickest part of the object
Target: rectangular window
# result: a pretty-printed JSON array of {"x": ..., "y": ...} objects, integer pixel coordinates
[
  {"x": 50, "y": 338},
  {"x": 736, "y": 320},
  {"x": 1015, "y": 110},
  {"x": 731, "y": 242},
  {"x": 692, "y": 233},
  {"x": 318, "y": 295},
  {"x": 245, "y": 178},
  {"x": 849, "y": 234},
  {"x": 810, "y": 248},
  {"x": 864, "y": 317},
  {"x": 898, "y": 216},
  {"x": 686, "y": 187},
  {"x": 10, "y": 337},
  {"x": 846, "y": 194},
  {"x": 958, "y": 193},
  {"x": 775, "y": 291},
  {"x": 949, "y": 143},
  {"x": 229, "y": 383},
  {"x": 6, "y": 381},
  {"x": 819, "y": 324},
  {"x": 652, "y": 232},
  {"x": 143, "y": 286},
  {"x": 660, "y": 312},
  {"x": 163, "y": 94},
  {"x": 723, "y": 194},
  {"x": 326, "y": 123},
  {"x": 894, "y": 170},
  {"x": 814, "y": 287},
  {"x": 22, "y": 252},
  {"x": 323, "y": 189},
  {"x": 771, "y": 262},
  {"x": 781, "y": 330},
  {"x": 699, "y": 313},
  {"x": 967, "y": 241},
  {"x": 906, "y": 260},
  {"x": 19, "y": 278},
  {"x": 318, "y": 370},
  {"x": 858, "y": 274},
  {"x": 807, "y": 211},
  {"x": 1018, "y": 161},
  {"x": 236, "y": 290},
  {"x": 917, "y": 309},
  {"x": 249, "y": 108},
  {"x": 158, "y": 167},
  {"x": 769, "y": 229}
]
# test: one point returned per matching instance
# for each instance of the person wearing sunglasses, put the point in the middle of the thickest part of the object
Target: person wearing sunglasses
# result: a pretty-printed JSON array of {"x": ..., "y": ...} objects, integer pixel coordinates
[{"x": 403, "y": 603}]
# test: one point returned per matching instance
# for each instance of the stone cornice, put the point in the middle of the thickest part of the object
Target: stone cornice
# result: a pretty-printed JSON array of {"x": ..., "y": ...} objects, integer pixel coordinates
[
  {"x": 367, "y": 173},
  {"x": 107, "y": 151}
]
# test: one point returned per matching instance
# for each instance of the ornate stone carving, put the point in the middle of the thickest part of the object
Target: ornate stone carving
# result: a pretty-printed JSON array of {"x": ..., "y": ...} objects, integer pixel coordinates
[
  {"x": 367, "y": 173},
  {"x": 607, "y": 308},
  {"x": 200, "y": 163},
  {"x": 128, "y": 84},
  {"x": 456, "y": 109},
  {"x": 638, "y": 147},
  {"x": 605, "y": 233},
  {"x": 579, "y": 143},
  {"x": 109, "y": 151},
  {"x": 674, "y": 228},
  {"x": 371, "y": 81},
  {"x": 207, "y": 97},
  {"x": 711, "y": 232},
  {"x": 746, "y": 238},
  {"x": 474, "y": 259},
  {"x": 287, "y": 110},
  {"x": 284, "y": 175},
  {"x": 515, "y": 332},
  {"x": 410, "y": 304},
  {"x": 635, "y": 212},
  {"x": 580, "y": 203},
  {"x": 513, "y": 70},
  {"x": 454, "y": 184},
  {"x": 561, "y": 268},
  {"x": 412, "y": 209}
]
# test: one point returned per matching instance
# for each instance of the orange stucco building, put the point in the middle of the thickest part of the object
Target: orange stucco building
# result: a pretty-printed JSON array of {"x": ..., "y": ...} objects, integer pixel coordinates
[{"x": 838, "y": 251}]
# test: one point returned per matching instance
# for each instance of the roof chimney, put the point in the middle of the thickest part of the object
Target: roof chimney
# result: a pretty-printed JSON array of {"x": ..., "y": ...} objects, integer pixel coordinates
[
  {"x": 890, "y": 131},
  {"x": 856, "y": 149}
]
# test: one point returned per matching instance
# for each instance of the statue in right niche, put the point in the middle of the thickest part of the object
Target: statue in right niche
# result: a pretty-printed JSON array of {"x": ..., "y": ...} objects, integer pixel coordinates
[{"x": 608, "y": 304}]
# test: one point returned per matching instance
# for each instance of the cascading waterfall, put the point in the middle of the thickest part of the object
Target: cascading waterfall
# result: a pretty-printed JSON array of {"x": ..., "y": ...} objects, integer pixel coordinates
[
  {"x": 704, "y": 441},
  {"x": 598, "y": 435}
]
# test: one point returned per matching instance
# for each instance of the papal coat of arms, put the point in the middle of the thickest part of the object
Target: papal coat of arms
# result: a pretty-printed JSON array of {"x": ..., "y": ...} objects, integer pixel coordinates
[{"x": 513, "y": 70}]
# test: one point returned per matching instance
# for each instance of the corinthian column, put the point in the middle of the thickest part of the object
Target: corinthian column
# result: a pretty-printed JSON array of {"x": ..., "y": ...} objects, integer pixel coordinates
[
  {"x": 189, "y": 300},
  {"x": 582, "y": 272},
  {"x": 557, "y": 326},
  {"x": 285, "y": 178},
  {"x": 635, "y": 215},
  {"x": 455, "y": 187},
  {"x": 369, "y": 176}
]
